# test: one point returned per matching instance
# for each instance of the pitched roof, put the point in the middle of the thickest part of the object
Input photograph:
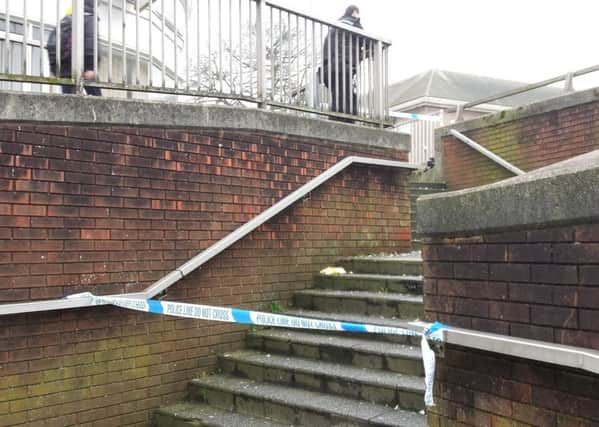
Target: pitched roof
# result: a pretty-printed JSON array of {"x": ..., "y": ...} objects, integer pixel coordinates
[{"x": 464, "y": 88}]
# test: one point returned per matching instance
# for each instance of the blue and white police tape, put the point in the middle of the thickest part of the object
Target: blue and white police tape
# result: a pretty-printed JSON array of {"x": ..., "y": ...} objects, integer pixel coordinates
[{"x": 235, "y": 315}]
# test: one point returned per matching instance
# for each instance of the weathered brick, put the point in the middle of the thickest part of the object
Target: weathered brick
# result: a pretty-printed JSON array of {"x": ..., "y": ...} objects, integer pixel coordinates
[
  {"x": 551, "y": 273},
  {"x": 509, "y": 272},
  {"x": 554, "y": 316}
]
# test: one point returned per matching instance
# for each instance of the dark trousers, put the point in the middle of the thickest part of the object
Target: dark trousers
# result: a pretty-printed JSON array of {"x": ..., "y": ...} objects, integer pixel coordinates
[
  {"x": 343, "y": 96},
  {"x": 90, "y": 90}
]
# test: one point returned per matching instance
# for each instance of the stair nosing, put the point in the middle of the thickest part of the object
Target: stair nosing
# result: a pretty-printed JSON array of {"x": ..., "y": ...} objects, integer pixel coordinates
[
  {"x": 327, "y": 369},
  {"x": 275, "y": 393},
  {"x": 363, "y": 295},
  {"x": 356, "y": 344}
]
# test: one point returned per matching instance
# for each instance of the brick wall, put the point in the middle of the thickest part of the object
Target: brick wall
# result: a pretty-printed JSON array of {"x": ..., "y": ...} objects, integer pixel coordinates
[
  {"x": 540, "y": 283},
  {"x": 111, "y": 210},
  {"x": 527, "y": 139}
]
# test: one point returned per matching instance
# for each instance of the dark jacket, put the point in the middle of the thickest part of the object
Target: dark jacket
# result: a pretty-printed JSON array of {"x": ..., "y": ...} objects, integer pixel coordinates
[
  {"x": 338, "y": 55},
  {"x": 66, "y": 32}
]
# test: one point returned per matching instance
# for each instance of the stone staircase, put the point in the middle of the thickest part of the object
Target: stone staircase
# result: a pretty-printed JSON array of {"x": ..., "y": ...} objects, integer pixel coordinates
[{"x": 297, "y": 377}]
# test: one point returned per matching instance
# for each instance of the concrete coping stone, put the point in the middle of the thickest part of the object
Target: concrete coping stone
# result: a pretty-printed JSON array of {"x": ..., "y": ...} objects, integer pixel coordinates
[
  {"x": 553, "y": 104},
  {"x": 563, "y": 193},
  {"x": 58, "y": 109}
]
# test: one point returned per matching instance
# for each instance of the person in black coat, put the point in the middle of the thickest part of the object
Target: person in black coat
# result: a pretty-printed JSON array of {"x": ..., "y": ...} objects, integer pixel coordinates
[
  {"x": 66, "y": 31},
  {"x": 336, "y": 61}
]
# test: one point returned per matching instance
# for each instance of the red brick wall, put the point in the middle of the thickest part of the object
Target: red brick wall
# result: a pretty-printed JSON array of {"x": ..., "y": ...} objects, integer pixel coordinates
[
  {"x": 112, "y": 210},
  {"x": 528, "y": 142},
  {"x": 539, "y": 283}
]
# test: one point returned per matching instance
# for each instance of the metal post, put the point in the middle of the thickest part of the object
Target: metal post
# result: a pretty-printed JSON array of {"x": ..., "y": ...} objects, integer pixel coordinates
[
  {"x": 459, "y": 113},
  {"x": 378, "y": 81},
  {"x": 77, "y": 53},
  {"x": 569, "y": 83},
  {"x": 260, "y": 52}
]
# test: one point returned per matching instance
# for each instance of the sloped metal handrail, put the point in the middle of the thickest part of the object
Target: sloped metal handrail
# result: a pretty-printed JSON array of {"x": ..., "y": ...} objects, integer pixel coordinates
[
  {"x": 209, "y": 253},
  {"x": 489, "y": 154},
  {"x": 568, "y": 87}
]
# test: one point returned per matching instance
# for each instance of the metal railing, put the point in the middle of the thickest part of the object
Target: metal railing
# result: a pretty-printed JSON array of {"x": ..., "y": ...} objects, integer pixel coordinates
[
  {"x": 487, "y": 153},
  {"x": 247, "y": 52},
  {"x": 209, "y": 253},
  {"x": 567, "y": 78}
]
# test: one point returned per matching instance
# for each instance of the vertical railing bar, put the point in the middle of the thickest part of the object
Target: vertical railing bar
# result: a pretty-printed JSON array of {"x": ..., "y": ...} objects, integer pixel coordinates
[
  {"x": 198, "y": 49},
  {"x": 231, "y": 83},
  {"x": 272, "y": 55},
  {"x": 329, "y": 69},
  {"x": 187, "y": 17},
  {"x": 137, "y": 66},
  {"x": 321, "y": 77},
  {"x": 150, "y": 47},
  {"x": 370, "y": 82},
  {"x": 260, "y": 53},
  {"x": 386, "y": 81},
  {"x": 58, "y": 37},
  {"x": 42, "y": 31},
  {"x": 95, "y": 41},
  {"x": 350, "y": 74},
  {"x": 306, "y": 56},
  {"x": 241, "y": 91},
  {"x": 343, "y": 74},
  {"x": 220, "y": 45},
  {"x": 358, "y": 75},
  {"x": 77, "y": 44},
  {"x": 289, "y": 60},
  {"x": 282, "y": 59},
  {"x": 209, "y": 45},
  {"x": 124, "y": 46},
  {"x": 25, "y": 42},
  {"x": 297, "y": 60},
  {"x": 176, "y": 44},
  {"x": 251, "y": 50},
  {"x": 337, "y": 71},
  {"x": 110, "y": 41},
  {"x": 311, "y": 72},
  {"x": 163, "y": 56}
]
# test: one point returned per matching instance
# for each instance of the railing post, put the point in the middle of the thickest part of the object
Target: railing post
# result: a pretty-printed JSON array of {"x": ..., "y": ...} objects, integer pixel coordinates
[
  {"x": 569, "y": 83},
  {"x": 459, "y": 113},
  {"x": 260, "y": 53},
  {"x": 379, "y": 92},
  {"x": 78, "y": 44}
]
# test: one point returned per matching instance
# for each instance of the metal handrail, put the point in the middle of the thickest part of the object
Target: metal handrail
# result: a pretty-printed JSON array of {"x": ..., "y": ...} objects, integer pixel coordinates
[
  {"x": 209, "y": 253},
  {"x": 486, "y": 153},
  {"x": 567, "y": 77}
]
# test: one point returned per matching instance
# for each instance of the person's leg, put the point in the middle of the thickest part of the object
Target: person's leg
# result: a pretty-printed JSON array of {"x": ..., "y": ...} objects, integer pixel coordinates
[{"x": 93, "y": 91}]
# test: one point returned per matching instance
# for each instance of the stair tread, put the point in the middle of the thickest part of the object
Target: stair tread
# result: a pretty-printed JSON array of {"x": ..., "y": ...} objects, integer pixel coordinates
[
  {"x": 363, "y": 295},
  {"x": 412, "y": 258},
  {"x": 356, "y": 318},
  {"x": 316, "y": 401},
  {"x": 211, "y": 416},
  {"x": 372, "y": 276},
  {"x": 363, "y": 345},
  {"x": 373, "y": 377}
]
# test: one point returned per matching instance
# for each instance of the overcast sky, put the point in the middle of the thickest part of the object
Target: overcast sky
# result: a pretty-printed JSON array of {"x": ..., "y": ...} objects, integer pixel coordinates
[{"x": 522, "y": 40}]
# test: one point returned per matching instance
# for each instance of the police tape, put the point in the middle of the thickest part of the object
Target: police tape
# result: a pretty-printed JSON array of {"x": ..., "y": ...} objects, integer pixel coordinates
[{"x": 249, "y": 317}]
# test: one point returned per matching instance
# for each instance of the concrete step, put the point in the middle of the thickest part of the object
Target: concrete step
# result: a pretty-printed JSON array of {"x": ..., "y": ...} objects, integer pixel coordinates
[
  {"x": 194, "y": 414},
  {"x": 371, "y": 385},
  {"x": 370, "y": 282},
  {"x": 296, "y": 406},
  {"x": 363, "y": 353},
  {"x": 403, "y": 264},
  {"x": 361, "y": 318},
  {"x": 359, "y": 302}
]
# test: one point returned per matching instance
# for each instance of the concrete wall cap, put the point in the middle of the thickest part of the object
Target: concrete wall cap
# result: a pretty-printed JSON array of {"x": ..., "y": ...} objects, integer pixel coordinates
[
  {"x": 17, "y": 107},
  {"x": 563, "y": 193}
]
